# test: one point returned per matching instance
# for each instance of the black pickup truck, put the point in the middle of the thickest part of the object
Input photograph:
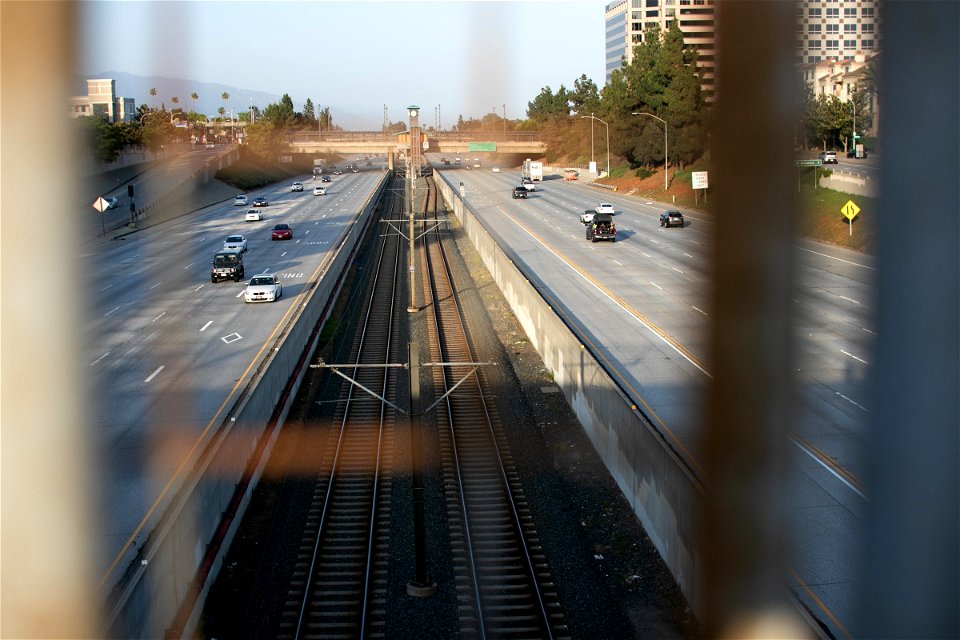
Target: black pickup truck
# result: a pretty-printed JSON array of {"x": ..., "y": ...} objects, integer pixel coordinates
[
  {"x": 602, "y": 228},
  {"x": 520, "y": 192}
]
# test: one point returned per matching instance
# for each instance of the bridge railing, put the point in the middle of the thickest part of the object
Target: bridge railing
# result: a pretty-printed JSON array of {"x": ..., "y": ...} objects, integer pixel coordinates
[{"x": 441, "y": 136}]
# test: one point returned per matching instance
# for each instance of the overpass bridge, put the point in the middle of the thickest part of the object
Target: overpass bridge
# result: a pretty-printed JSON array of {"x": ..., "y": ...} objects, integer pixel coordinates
[{"x": 498, "y": 143}]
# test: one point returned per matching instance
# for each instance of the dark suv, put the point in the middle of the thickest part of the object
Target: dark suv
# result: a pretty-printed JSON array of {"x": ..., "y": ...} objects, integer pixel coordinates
[
  {"x": 671, "y": 219},
  {"x": 226, "y": 265}
]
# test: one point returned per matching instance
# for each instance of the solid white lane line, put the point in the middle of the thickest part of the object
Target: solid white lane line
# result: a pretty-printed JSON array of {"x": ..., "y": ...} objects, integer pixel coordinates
[
  {"x": 830, "y": 469},
  {"x": 159, "y": 316},
  {"x": 701, "y": 311},
  {"x": 859, "y": 406},
  {"x": 155, "y": 286},
  {"x": 853, "y": 356},
  {"x": 154, "y": 374},
  {"x": 204, "y": 327},
  {"x": 111, "y": 311},
  {"x": 100, "y": 358},
  {"x": 850, "y": 300},
  {"x": 656, "y": 285}
]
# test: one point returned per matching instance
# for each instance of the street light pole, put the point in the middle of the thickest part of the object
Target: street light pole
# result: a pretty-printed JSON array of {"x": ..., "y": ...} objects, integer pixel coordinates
[
  {"x": 666, "y": 157},
  {"x": 592, "y": 117}
]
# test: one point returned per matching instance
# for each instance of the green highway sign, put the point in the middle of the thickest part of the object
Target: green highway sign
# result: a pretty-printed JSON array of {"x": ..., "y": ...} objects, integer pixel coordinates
[
  {"x": 482, "y": 146},
  {"x": 809, "y": 163}
]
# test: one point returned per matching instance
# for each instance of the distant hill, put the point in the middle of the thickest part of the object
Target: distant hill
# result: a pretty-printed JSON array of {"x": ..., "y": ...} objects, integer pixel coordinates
[{"x": 208, "y": 102}]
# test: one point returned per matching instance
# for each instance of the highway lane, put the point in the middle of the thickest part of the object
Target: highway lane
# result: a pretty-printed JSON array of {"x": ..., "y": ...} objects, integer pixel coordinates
[
  {"x": 169, "y": 351},
  {"x": 643, "y": 303}
]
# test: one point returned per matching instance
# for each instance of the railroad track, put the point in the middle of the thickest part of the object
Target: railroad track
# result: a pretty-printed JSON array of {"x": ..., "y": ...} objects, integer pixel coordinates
[
  {"x": 338, "y": 587},
  {"x": 503, "y": 586}
]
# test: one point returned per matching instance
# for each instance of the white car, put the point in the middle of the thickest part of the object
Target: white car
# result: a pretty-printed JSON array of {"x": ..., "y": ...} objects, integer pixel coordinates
[
  {"x": 527, "y": 184},
  {"x": 112, "y": 203},
  {"x": 235, "y": 243},
  {"x": 496, "y": 169},
  {"x": 296, "y": 186},
  {"x": 319, "y": 191},
  {"x": 253, "y": 215},
  {"x": 263, "y": 287},
  {"x": 240, "y": 201},
  {"x": 605, "y": 207}
]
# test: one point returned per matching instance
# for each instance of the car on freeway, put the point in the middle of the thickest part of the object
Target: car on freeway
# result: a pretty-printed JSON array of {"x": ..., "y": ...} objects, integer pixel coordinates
[
  {"x": 325, "y": 179},
  {"x": 253, "y": 215},
  {"x": 263, "y": 287},
  {"x": 828, "y": 157},
  {"x": 337, "y": 172},
  {"x": 112, "y": 203},
  {"x": 496, "y": 169},
  {"x": 601, "y": 228},
  {"x": 260, "y": 202},
  {"x": 296, "y": 186},
  {"x": 605, "y": 207},
  {"x": 240, "y": 201},
  {"x": 587, "y": 216},
  {"x": 671, "y": 219},
  {"x": 226, "y": 265},
  {"x": 319, "y": 191},
  {"x": 281, "y": 232},
  {"x": 519, "y": 192},
  {"x": 527, "y": 184},
  {"x": 235, "y": 243}
]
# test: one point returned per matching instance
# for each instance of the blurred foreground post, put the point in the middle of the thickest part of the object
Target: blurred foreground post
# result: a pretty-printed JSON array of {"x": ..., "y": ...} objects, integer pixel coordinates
[
  {"x": 47, "y": 581},
  {"x": 752, "y": 404}
]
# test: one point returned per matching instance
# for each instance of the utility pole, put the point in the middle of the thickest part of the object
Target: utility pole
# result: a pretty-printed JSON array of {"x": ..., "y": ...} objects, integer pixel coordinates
[{"x": 413, "y": 161}]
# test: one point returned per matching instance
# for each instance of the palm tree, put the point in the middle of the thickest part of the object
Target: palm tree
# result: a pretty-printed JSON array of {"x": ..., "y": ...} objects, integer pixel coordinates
[
  {"x": 226, "y": 96},
  {"x": 153, "y": 94},
  {"x": 194, "y": 97}
]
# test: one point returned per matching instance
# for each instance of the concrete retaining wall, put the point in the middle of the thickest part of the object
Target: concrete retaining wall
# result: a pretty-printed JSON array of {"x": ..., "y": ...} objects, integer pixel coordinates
[
  {"x": 662, "y": 491},
  {"x": 160, "y": 580}
]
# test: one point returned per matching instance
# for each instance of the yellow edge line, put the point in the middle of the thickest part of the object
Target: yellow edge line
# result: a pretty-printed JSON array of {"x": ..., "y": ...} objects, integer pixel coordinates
[
  {"x": 203, "y": 434},
  {"x": 666, "y": 337},
  {"x": 819, "y": 603},
  {"x": 662, "y": 334}
]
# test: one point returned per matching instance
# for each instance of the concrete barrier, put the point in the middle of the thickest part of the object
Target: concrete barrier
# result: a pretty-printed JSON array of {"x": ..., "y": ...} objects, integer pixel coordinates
[
  {"x": 160, "y": 589},
  {"x": 664, "y": 493}
]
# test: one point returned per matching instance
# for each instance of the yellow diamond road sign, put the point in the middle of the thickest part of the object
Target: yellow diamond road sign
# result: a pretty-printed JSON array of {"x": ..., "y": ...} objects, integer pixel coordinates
[{"x": 850, "y": 210}]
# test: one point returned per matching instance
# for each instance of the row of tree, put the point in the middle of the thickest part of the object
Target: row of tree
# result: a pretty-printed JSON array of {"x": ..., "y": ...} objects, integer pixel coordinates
[
  {"x": 661, "y": 81},
  {"x": 660, "y": 89}
]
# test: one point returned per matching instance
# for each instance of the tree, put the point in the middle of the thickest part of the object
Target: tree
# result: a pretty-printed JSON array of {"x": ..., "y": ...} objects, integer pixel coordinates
[
  {"x": 153, "y": 95},
  {"x": 103, "y": 140},
  {"x": 194, "y": 97},
  {"x": 549, "y": 106},
  {"x": 308, "y": 113},
  {"x": 585, "y": 98}
]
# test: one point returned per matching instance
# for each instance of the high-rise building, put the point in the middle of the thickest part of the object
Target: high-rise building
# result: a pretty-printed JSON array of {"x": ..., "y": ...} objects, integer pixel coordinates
[
  {"x": 626, "y": 21},
  {"x": 827, "y": 30},
  {"x": 837, "y": 29}
]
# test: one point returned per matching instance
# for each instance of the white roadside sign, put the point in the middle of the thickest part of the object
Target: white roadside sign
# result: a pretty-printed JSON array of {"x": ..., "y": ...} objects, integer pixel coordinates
[
  {"x": 101, "y": 205},
  {"x": 699, "y": 179}
]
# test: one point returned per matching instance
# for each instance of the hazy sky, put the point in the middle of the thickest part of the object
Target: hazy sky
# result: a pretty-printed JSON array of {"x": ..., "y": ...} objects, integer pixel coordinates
[{"x": 467, "y": 57}]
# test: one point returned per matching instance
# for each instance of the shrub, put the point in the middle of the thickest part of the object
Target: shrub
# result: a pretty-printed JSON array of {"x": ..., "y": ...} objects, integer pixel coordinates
[{"x": 643, "y": 173}]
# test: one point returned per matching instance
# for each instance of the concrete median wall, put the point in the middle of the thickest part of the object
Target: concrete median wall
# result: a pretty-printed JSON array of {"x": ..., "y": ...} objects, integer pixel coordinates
[
  {"x": 161, "y": 587},
  {"x": 661, "y": 489}
]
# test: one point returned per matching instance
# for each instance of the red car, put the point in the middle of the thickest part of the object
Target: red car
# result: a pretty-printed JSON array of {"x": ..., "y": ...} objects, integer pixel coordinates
[{"x": 282, "y": 232}]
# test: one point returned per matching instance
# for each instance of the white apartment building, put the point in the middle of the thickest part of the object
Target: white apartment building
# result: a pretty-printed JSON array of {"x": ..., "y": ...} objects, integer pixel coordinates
[
  {"x": 102, "y": 100},
  {"x": 626, "y": 20}
]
